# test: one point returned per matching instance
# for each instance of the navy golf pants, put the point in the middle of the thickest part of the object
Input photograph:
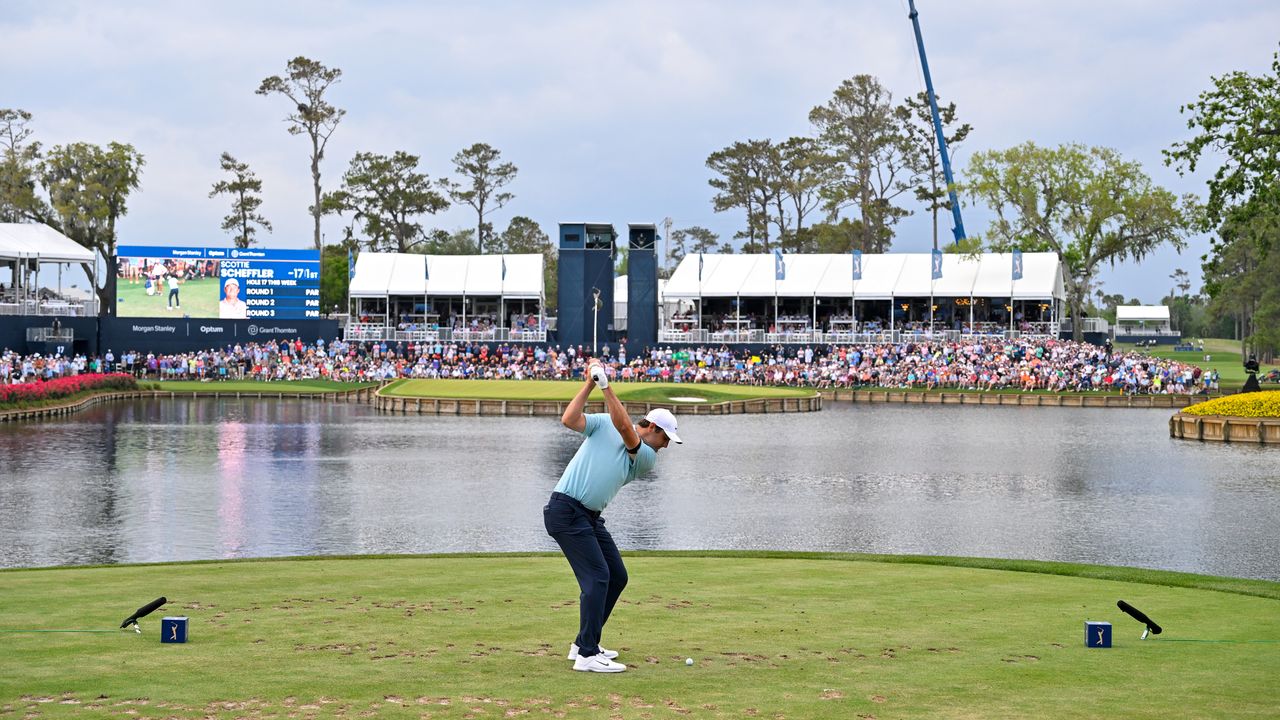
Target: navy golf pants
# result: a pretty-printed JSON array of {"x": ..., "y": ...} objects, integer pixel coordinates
[{"x": 595, "y": 560}]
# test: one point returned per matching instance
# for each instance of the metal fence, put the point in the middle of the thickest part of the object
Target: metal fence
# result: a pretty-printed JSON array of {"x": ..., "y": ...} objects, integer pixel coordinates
[{"x": 62, "y": 308}]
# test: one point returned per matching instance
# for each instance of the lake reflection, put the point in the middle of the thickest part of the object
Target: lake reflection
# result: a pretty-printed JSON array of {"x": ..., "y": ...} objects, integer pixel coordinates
[{"x": 202, "y": 479}]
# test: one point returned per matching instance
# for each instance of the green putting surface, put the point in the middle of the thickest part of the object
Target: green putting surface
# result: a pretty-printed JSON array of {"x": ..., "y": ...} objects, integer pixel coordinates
[
  {"x": 565, "y": 390},
  {"x": 784, "y": 636}
]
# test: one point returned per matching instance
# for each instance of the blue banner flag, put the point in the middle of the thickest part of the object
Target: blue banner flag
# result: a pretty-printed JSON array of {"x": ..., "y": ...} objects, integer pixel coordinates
[
  {"x": 699, "y": 267},
  {"x": 504, "y": 268},
  {"x": 351, "y": 264},
  {"x": 426, "y": 268},
  {"x": 1017, "y": 264},
  {"x": 779, "y": 265},
  {"x": 937, "y": 264},
  {"x": 857, "y": 264}
]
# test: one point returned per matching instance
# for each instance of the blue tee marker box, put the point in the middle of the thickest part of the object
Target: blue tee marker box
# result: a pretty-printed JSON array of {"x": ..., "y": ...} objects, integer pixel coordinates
[
  {"x": 173, "y": 630},
  {"x": 1097, "y": 634}
]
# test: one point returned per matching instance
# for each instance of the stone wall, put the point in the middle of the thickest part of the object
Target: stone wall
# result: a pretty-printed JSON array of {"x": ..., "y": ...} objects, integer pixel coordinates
[{"x": 1225, "y": 428}]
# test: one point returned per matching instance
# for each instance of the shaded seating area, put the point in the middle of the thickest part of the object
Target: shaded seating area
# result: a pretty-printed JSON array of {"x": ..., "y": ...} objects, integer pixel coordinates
[
  {"x": 32, "y": 260},
  {"x": 1145, "y": 324},
  {"x": 819, "y": 298},
  {"x": 455, "y": 298}
]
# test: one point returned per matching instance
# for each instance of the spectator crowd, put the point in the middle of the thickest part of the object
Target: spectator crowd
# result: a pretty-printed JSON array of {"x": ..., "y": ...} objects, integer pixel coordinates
[{"x": 1022, "y": 364}]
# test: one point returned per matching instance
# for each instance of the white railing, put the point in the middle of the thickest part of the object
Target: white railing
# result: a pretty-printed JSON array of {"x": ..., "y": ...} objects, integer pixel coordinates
[
  {"x": 377, "y": 331},
  {"x": 1149, "y": 332},
  {"x": 365, "y": 331},
  {"x": 48, "y": 334},
  {"x": 50, "y": 307},
  {"x": 793, "y": 336},
  {"x": 732, "y": 336},
  {"x": 682, "y": 336},
  {"x": 1089, "y": 324}
]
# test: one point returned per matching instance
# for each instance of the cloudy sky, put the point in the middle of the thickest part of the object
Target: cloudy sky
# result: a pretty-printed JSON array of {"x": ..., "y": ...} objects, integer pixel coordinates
[{"x": 609, "y": 109}]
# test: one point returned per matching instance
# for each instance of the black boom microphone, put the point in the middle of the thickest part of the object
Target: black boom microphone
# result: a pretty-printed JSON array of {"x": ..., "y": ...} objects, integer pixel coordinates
[
  {"x": 151, "y": 607},
  {"x": 1141, "y": 617}
]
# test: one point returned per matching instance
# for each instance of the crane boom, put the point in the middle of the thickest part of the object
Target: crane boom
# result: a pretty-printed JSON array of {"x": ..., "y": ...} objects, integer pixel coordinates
[{"x": 958, "y": 230}]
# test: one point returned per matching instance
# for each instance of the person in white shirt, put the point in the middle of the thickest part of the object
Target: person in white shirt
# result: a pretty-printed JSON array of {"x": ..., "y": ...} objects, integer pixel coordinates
[
  {"x": 232, "y": 307},
  {"x": 173, "y": 300}
]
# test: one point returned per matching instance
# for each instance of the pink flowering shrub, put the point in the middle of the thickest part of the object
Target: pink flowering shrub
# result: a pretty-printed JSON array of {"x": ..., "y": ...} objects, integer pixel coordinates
[{"x": 35, "y": 394}]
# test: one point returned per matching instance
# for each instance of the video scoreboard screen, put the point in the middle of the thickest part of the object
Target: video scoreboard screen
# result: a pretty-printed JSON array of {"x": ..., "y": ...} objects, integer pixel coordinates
[{"x": 227, "y": 283}]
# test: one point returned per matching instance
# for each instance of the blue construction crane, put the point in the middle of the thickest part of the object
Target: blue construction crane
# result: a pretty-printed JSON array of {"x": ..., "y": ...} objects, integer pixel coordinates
[{"x": 958, "y": 230}]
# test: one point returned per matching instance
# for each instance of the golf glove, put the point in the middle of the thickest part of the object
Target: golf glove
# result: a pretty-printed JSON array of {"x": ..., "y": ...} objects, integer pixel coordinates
[{"x": 599, "y": 377}]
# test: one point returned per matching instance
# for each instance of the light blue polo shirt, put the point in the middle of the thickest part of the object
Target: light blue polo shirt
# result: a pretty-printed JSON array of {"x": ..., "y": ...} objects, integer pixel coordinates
[{"x": 602, "y": 466}]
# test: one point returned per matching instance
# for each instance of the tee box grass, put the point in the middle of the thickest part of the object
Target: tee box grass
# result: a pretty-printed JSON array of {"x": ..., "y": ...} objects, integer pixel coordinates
[{"x": 771, "y": 635}]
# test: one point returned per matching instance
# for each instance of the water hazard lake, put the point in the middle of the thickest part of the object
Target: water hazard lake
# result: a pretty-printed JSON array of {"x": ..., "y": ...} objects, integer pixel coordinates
[{"x": 171, "y": 480}]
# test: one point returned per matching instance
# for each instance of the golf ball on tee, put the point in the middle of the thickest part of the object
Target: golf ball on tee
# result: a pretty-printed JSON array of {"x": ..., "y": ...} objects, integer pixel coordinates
[{"x": 688, "y": 661}]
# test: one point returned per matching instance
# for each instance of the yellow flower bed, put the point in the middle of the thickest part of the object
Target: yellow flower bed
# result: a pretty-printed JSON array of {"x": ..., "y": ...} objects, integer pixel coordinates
[{"x": 1255, "y": 404}]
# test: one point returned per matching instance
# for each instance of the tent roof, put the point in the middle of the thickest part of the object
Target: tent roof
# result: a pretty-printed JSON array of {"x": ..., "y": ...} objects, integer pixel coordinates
[
  {"x": 1135, "y": 313},
  {"x": 837, "y": 278},
  {"x": 406, "y": 274},
  {"x": 373, "y": 274},
  {"x": 883, "y": 276},
  {"x": 1041, "y": 277},
  {"x": 916, "y": 278},
  {"x": 958, "y": 275},
  {"x": 24, "y": 240},
  {"x": 879, "y": 276},
  {"x": 803, "y": 273},
  {"x": 995, "y": 275},
  {"x": 447, "y": 274},
  {"x": 382, "y": 274},
  {"x": 524, "y": 276}
]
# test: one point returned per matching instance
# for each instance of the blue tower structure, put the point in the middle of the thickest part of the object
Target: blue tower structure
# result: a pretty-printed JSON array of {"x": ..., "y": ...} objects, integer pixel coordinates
[
  {"x": 642, "y": 287},
  {"x": 586, "y": 267}
]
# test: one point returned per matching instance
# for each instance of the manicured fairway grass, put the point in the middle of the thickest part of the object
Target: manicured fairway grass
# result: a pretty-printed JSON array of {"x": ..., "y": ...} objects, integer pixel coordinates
[
  {"x": 786, "y": 636},
  {"x": 565, "y": 390},
  {"x": 291, "y": 387}
]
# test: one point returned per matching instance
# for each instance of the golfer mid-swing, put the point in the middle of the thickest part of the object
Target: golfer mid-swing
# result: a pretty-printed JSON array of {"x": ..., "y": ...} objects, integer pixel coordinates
[{"x": 614, "y": 453}]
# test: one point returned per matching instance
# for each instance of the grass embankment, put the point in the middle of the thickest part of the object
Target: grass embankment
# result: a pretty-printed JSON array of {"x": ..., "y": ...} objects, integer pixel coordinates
[
  {"x": 288, "y": 387},
  {"x": 1265, "y": 404},
  {"x": 786, "y": 636},
  {"x": 564, "y": 391},
  {"x": 1224, "y": 357}
]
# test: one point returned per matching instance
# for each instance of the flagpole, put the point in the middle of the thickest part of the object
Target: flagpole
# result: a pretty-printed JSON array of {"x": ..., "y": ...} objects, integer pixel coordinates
[{"x": 699, "y": 325}]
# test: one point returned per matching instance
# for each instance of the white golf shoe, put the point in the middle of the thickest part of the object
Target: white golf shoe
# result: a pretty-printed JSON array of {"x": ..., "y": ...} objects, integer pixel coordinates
[
  {"x": 573, "y": 652},
  {"x": 598, "y": 663}
]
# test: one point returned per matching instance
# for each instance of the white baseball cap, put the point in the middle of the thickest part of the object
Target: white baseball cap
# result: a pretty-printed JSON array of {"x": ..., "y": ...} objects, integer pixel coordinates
[{"x": 663, "y": 418}]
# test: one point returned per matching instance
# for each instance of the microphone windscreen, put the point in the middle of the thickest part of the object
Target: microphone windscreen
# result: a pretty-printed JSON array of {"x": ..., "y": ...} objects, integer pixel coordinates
[
  {"x": 150, "y": 607},
  {"x": 1138, "y": 615},
  {"x": 143, "y": 611}
]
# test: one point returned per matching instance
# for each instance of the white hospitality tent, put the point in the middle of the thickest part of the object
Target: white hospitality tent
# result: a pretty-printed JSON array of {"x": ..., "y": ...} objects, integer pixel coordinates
[
  {"x": 898, "y": 278},
  {"x": 1143, "y": 320},
  {"x": 24, "y": 248},
  {"x": 427, "y": 289}
]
